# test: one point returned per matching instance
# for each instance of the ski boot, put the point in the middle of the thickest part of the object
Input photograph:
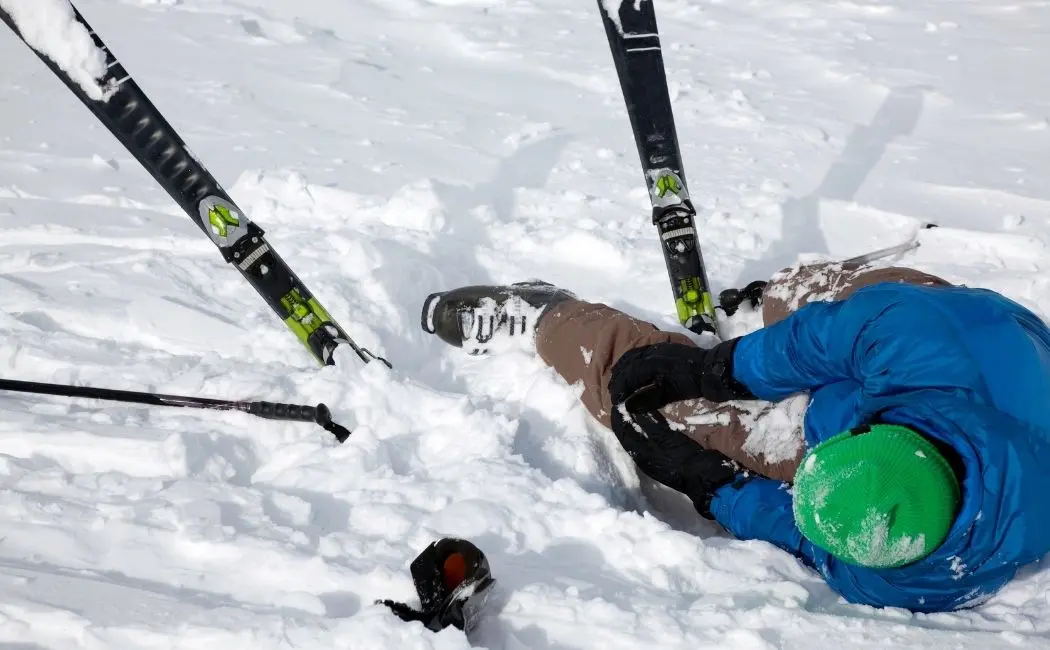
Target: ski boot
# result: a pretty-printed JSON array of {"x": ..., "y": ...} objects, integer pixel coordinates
[{"x": 472, "y": 317}]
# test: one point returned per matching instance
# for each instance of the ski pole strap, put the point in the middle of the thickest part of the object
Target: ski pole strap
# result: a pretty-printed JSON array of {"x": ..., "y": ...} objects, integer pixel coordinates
[{"x": 409, "y": 614}]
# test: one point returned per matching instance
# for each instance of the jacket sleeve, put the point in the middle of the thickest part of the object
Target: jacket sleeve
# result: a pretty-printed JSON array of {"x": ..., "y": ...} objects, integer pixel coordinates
[
  {"x": 885, "y": 337},
  {"x": 760, "y": 509}
]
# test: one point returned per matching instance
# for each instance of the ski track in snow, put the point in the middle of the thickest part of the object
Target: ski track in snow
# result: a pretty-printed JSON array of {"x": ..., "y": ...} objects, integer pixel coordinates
[{"x": 392, "y": 148}]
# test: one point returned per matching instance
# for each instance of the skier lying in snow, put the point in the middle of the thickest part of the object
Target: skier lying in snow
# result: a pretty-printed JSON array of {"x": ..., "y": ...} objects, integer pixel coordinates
[{"x": 927, "y": 420}]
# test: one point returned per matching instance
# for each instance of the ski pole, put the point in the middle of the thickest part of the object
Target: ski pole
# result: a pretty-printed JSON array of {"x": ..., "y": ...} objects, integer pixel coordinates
[
  {"x": 882, "y": 253},
  {"x": 729, "y": 300},
  {"x": 889, "y": 250},
  {"x": 319, "y": 414}
]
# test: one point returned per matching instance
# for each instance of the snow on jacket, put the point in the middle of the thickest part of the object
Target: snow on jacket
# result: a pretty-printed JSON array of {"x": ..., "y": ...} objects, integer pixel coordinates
[{"x": 965, "y": 366}]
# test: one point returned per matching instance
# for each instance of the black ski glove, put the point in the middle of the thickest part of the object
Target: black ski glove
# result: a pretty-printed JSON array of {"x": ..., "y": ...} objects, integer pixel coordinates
[
  {"x": 653, "y": 376},
  {"x": 672, "y": 458}
]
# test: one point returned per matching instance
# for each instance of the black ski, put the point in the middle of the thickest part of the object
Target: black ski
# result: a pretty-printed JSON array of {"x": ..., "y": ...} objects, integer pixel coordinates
[
  {"x": 635, "y": 44},
  {"x": 131, "y": 117}
]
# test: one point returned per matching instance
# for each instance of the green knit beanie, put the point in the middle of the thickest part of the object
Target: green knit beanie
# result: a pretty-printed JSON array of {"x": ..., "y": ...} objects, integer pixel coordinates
[{"x": 880, "y": 498}]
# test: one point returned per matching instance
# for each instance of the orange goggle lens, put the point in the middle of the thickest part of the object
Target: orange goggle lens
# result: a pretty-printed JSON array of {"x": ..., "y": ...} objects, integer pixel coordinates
[{"x": 454, "y": 570}]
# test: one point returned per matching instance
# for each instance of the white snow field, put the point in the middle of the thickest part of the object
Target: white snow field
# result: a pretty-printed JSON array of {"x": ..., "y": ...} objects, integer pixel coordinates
[{"x": 396, "y": 147}]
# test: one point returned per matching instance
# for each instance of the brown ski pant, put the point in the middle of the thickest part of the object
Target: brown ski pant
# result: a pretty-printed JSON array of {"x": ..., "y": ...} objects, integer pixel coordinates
[{"x": 582, "y": 341}]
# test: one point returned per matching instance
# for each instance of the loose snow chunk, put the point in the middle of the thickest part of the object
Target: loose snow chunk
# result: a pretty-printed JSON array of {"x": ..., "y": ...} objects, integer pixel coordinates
[
  {"x": 871, "y": 543},
  {"x": 612, "y": 7},
  {"x": 774, "y": 432},
  {"x": 50, "y": 27}
]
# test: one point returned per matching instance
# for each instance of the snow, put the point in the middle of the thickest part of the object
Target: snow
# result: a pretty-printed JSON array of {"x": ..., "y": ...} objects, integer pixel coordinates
[
  {"x": 393, "y": 148},
  {"x": 51, "y": 28},
  {"x": 612, "y": 8},
  {"x": 779, "y": 433},
  {"x": 870, "y": 542}
]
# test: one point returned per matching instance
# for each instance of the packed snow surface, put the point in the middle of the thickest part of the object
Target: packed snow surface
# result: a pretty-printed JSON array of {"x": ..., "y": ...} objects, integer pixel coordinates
[{"x": 393, "y": 148}]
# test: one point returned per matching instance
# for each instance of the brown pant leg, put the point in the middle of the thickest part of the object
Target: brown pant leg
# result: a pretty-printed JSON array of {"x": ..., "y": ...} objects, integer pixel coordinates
[
  {"x": 787, "y": 292},
  {"x": 793, "y": 288},
  {"x": 582, "y": 342}
]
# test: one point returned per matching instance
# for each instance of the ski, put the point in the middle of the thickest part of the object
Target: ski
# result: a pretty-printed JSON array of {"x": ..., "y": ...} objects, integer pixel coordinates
[
  {"x": 635, "y": 44},
  {"x": 133, "y": 119}
]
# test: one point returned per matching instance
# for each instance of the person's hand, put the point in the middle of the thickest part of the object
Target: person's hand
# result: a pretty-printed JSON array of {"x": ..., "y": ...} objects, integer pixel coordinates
[
  {"x": 653, "y": 376},
  {"x": 672, "y": 458}
]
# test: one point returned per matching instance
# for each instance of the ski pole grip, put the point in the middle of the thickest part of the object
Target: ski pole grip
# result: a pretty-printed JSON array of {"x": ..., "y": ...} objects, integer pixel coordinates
[
  {"x": 297, "y": 412},
  {"x": 278, "y": 411}
]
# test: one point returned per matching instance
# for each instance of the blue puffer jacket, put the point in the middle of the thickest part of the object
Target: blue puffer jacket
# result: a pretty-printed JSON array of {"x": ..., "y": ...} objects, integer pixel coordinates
[{"x": 966, "y": 366}]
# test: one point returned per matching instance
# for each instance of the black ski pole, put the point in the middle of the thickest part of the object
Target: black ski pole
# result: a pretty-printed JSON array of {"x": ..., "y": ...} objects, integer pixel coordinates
[
  {"x": 889, "y": 251},
  {"x": 730, "y": 299},
  {"x": 270, "y": 410}
]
